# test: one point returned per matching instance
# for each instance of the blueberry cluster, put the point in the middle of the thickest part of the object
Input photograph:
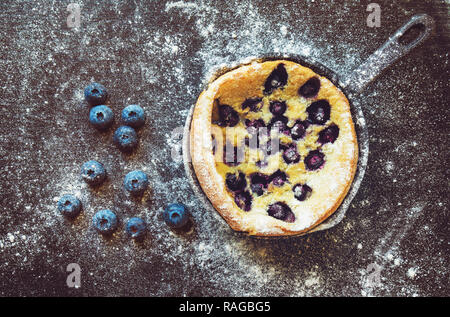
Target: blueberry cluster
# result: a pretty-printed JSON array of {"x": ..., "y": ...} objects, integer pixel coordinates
[
  {"x": 265, "y": 135},
  {"x": 102, "y": 117},
  {"x": 135, "y": 182}
]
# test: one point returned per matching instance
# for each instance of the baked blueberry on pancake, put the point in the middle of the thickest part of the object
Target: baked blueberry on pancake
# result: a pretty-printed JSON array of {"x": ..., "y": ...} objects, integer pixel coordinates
[{"x": 274, "y": 148}]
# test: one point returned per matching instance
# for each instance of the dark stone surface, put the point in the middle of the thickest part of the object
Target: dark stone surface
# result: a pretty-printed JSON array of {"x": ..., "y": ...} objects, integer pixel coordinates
[{"x": 158, "y": 54}]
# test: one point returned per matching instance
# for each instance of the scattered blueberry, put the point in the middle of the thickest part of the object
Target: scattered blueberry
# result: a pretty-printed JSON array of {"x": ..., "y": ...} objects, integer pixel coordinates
[
  {"x": 176, "y": 215},
  {"x": 310, "y": 88},
  {"x": 133, "y": 116},
  {"x": 228, "y": 117},
  {"x": 281, "y": 211},
  {"x": 329, "y": 135},
  {"x": 243, "y": 200},
  {"x": 105, "y": 221},
  {"x": 101, "y": 117},
  {"x": 301, "y": 191},
  {"x": 298, "y": 130},
  {"x": 93, "y": 173},
  {"x": 136, "y": 182},
  {"x": 277, "y": 107},
  {"x": 290, "y": 154},
  {"x": 125, "y": 138},
  {"x": 278, "y": 178},
  {"x": 95, "y": 94},
  {"x": 69, "y": 206},
  {"x": 277, "y": 79},
  {"x": 136, "y": 228},
  {"x": 319, "y": 112},
  {"x": 254, "y": 104},
  {"x": 314, "y": 160},
  {"x": 235, "y": 182}
]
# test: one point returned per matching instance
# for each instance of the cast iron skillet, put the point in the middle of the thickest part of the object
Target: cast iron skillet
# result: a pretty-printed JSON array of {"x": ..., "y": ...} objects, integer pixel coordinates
[{"x": 410, "y": 35}]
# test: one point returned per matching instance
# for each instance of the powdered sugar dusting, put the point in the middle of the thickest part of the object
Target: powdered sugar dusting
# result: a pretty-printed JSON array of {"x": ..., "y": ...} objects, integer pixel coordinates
[{"x": 160, "y": 54}]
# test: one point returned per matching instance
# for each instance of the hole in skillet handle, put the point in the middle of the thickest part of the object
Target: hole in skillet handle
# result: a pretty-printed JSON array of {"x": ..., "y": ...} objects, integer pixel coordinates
[{"x": 412, "y": 35}]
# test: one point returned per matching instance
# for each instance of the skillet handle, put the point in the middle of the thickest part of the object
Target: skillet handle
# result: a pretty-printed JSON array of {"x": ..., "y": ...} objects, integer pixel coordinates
[{"x": 411, "y": 34}]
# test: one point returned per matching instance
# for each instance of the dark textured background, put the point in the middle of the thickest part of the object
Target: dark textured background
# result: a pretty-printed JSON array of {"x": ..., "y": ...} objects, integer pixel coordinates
[{"x": 158, "y": 54}]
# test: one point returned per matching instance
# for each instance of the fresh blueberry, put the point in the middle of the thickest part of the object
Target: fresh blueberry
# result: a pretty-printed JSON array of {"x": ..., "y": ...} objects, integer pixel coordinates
[
  {"x": 95, "y": 94},
  {"x": 176, "y": 216},
  {"x": 301, "y": 191},
  {"x": 254, "y": 104},
  {"x": 310, "y": 88},
  {"x": 133, "y": 116},
  {"x": 105, "y": 221},
  {"x": 329, "y": 135},
  {"x": 277, "y": 79},
  {"x": 278, "y": 178},
  {"x": 69, "y": 206},
  {"x": 298, "y": 130},
  {"x": 314, "y": 160},
  {"x": 136, "y": 228},
  {"x": 101, "y": 117},
  {"x": 136, "y": 182},
  {"x": 235, "y": 182},
  {"x": 319, "y": 112},
  {"x": 125, "y": 138},
  {"x": 228, "y": 117},
  {"x": 281, "y": 211},
  {"x": 290, "y": 154},
  {"x": 93, "y": 173},
  {"x": 243, "y": 200},
  {"x": 277, "y": 107}
]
